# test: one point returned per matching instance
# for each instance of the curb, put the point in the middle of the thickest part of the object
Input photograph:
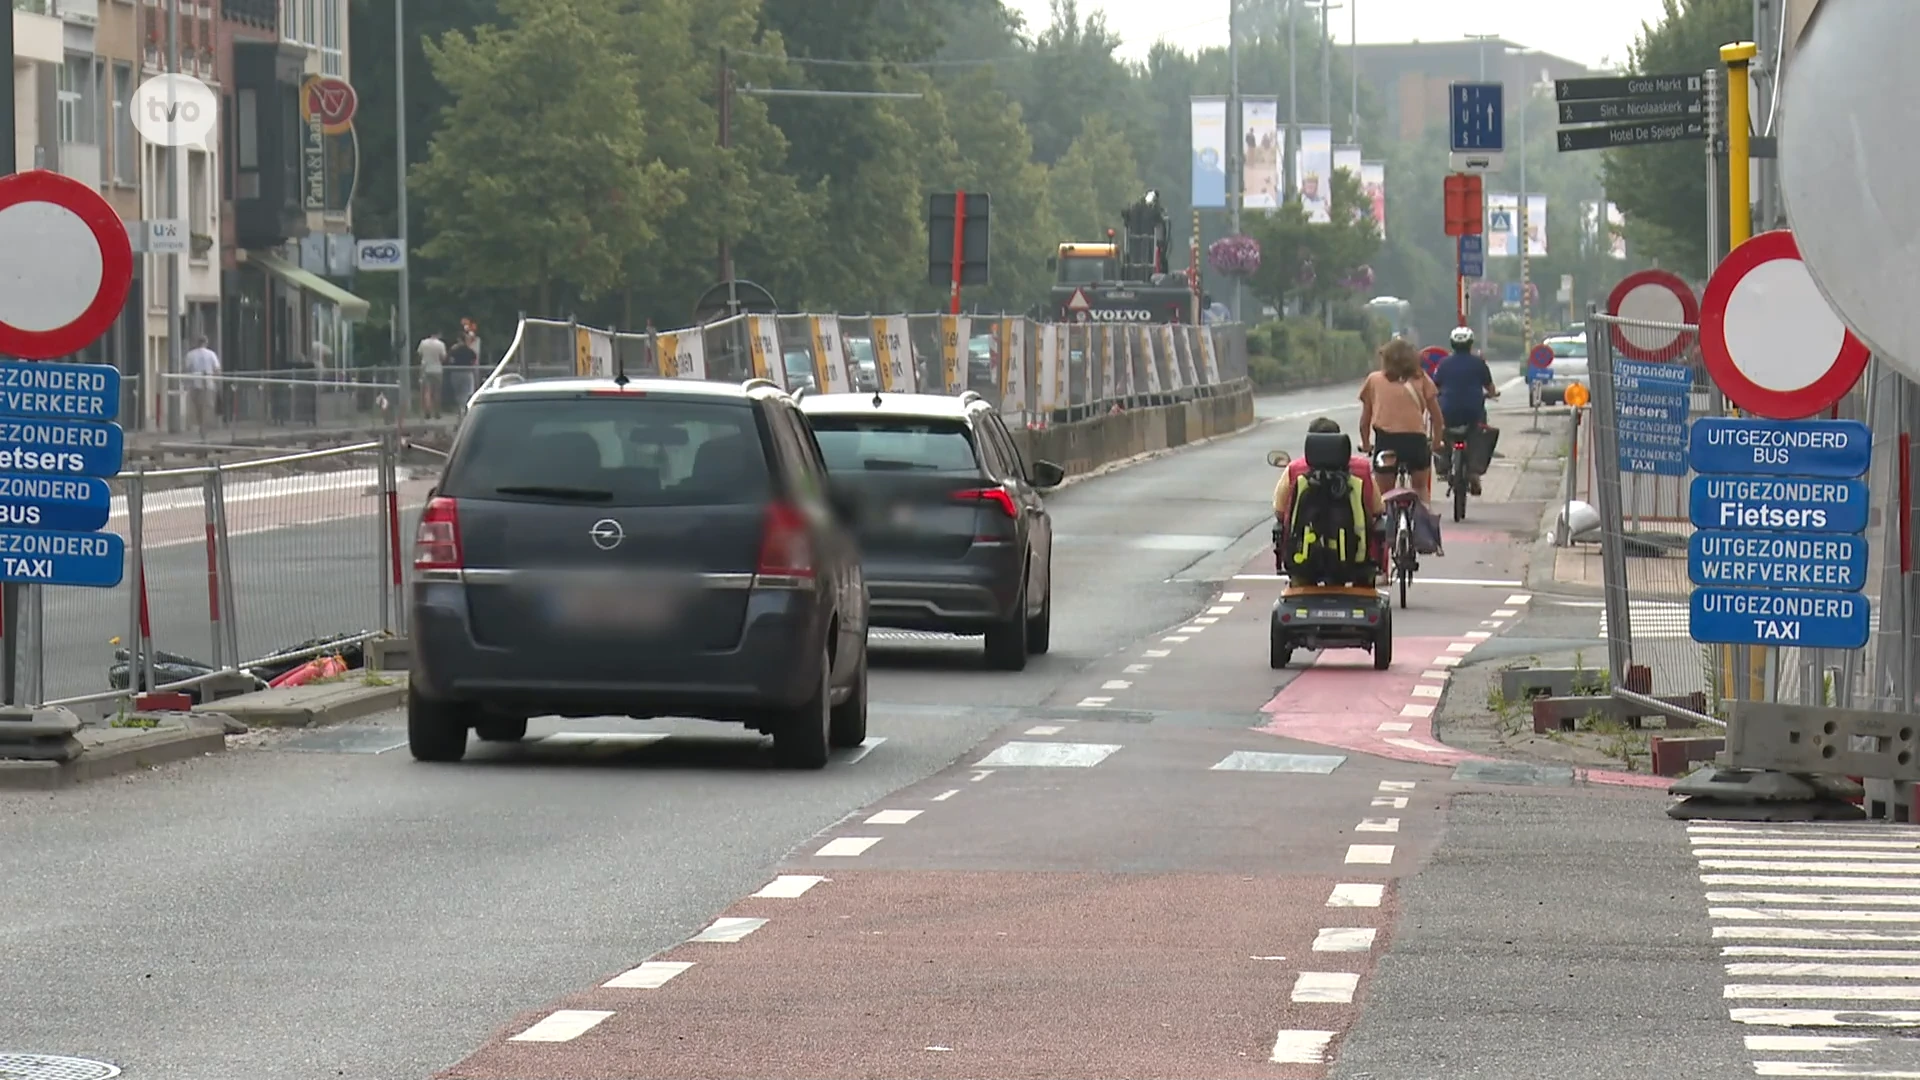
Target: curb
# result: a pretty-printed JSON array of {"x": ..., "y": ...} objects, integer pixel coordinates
[
  {"x": 333, "y": 704},
  {"x": 125, "y": 756}
]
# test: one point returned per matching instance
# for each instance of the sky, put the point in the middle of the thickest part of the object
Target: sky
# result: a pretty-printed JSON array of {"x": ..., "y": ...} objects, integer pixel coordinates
[{"x": 1585, "y": 32}]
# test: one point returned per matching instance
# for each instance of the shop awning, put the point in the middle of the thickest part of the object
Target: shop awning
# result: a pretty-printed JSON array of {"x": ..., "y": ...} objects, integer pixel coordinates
[{"x": 352, "y": 308}]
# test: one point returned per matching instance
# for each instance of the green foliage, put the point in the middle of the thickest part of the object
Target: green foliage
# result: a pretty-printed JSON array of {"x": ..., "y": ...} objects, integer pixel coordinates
[
  {"x": 1286, "y": 354},
  {"x": 1662, "y": 190}
]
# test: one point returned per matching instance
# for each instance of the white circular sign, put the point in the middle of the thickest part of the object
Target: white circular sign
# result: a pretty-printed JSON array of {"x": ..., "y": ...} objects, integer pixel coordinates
[
  {"x": 175, "y": 110},
  {"x": 1847, "y": 167},
  {"x": 1780, "y": 332},
  {"x": 1651, "y": 303},
  {"x": 50, "y": 266}
]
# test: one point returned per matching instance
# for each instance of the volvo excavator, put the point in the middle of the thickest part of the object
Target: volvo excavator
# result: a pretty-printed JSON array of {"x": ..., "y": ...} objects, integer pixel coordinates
[{"x": 1125, "y": 279}]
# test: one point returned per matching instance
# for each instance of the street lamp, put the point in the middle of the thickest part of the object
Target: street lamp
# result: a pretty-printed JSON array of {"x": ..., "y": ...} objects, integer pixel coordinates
[
  {"x": 1483, "y": 39},
  {"x": 1526, "y": 99}
]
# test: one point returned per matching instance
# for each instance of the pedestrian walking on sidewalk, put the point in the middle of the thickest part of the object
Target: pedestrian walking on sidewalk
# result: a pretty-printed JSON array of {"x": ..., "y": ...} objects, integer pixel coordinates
[
  {"x": 203, "y": 386},
  {"x": 433, "y": 359},
  {"x": 461, "y": 366}
]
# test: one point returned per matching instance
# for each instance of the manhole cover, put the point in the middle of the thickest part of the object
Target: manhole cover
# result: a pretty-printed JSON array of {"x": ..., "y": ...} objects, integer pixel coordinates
[{"x": 48, "y": 1067}]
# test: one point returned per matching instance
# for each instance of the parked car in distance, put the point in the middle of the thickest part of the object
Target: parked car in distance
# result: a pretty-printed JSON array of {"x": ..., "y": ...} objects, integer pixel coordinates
[
  {"x": 954, "y": 533},
  {"x": 658, "y": 547},
  {"x": 1569, "y": 367}
]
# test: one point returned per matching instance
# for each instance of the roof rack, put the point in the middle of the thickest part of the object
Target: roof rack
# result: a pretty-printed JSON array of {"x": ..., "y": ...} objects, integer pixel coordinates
[
  {"x": 968, "y": 397},
  {"x": 756, "y": 382}
]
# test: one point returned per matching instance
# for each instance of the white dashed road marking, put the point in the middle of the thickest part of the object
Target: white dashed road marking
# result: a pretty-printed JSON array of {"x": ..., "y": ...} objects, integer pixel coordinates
[
  {"x": 729, "y": 929},
  {"x": 651, "y": 975},
  {"x": 893, "y": 817},
  {"x": 789, "y": 886},
  {"x": 1391, "y": 824},
  {"x": 1356, "y": 895},
  {"x": 1325, "y": 987},
  {"x": 945, "y": 795},
  {"x": 1370, "y": 854},
  {"x": 844, "y": 847},
  {"x": 1344, "y": 939},
  {"x": 1302, "y": 1047},
  {"x": 562, "y": 1026}
]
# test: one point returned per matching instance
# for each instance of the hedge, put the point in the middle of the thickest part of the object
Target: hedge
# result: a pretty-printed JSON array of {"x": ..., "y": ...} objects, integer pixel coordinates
[{"x": 1289, "y": 354}]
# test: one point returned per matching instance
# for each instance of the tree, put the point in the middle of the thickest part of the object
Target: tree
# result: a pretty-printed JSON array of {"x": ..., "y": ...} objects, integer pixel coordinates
[
  {"x": 1313, "y": 262},
  {"x": 1090, "y": 185},
  {"x": 1662, "y": 190},
  {"x": 541, "y": 175}
]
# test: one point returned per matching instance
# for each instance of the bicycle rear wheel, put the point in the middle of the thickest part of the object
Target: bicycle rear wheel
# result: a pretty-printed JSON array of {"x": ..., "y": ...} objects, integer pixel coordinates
[{"x": 1403, "y": 562}]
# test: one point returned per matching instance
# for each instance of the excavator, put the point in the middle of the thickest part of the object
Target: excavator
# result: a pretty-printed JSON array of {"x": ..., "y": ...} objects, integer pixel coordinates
[{"x": 1125, "y": 279}]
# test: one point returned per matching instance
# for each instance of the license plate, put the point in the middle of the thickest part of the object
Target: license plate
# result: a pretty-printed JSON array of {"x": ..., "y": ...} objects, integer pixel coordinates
[{"x": 616, "y": 608}]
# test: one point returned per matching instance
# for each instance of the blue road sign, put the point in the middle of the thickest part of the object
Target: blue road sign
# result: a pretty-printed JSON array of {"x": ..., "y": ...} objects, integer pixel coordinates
[
  {"x": 1654, "y": 378},
  {"x": 1808, "y": 620},
  {"x": 1654, "y": 453},
  {"x": 1538, "y": 374},
  {"x": 93, "y": 559},
  {"x": 1825, "y": 448},
  {"x": 1778, "y": 503},
  {"x": 1514, "y": 294},
  {"x": 1778, "y": 560},
  {"x": 59, "y": 391},
  {"x": 1668, "y": 409},
  {"x": 66, "y": 447},
  {"x": 1473, "y": 254},
  {"x": 1478, "y": 112},
  {"x": 64, "y": 503}
]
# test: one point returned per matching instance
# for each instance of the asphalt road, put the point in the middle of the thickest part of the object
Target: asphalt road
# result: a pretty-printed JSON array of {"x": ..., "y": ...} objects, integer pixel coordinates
[{"x": 278, "y": 913}]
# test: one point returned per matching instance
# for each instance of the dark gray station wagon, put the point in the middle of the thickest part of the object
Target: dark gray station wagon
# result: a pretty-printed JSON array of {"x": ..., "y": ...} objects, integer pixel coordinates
[{"x": 654, "y": 548}]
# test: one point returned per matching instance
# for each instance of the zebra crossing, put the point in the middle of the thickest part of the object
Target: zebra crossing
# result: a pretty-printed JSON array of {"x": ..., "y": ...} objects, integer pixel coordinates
[{"x": 1819, "y": 928}]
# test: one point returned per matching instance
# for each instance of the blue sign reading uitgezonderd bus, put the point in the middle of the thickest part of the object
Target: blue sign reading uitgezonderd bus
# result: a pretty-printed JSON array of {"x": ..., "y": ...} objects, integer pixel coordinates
[
  {"x": 1783, "y": 504},
  {"x": 64, "y": 447},
  {"x": 1656, "y": 378},
  {"x": 62, "y": 503},
  {"x": 1825, "y": 448},
  {"x": 59, "y": 391},
  {"x": 92, "y": 559},
  {"x": 1808, "y": 620},
  {"x": 1778, "y": 560}
]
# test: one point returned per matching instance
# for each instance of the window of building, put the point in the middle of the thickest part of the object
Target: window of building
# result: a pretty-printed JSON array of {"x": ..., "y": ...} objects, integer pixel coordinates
[
  {"x": 332, "y": 61},
  {"x": 290, "y": 20},
  {"x": 309, "y": 22},
  {"x": 124, "y": 163},
  {"x": 246, "y": 133},
  {"x": 199, "y": 202}
]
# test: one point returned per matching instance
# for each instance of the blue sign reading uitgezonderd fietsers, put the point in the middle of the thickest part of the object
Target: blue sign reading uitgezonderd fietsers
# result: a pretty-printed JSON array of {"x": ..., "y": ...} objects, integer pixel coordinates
[
  {"x": 1840, "y": 449},
  {"x": 62, "y": 447},
  {"x": 1787, "y": 504}
]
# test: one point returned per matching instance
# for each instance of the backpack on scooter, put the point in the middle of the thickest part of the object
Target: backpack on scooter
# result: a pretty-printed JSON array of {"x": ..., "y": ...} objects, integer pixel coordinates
[{"x": 1327, "y": 532}]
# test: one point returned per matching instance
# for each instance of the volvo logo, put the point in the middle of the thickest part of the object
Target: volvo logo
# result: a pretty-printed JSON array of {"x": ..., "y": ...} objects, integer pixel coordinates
[{"x": 607, "y": 534}]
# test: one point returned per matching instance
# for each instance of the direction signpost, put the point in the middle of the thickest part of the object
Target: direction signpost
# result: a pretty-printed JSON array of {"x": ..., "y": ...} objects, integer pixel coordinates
[
  {"x": 1631, "y": 110},
  {"x": 66, "y": 263}
]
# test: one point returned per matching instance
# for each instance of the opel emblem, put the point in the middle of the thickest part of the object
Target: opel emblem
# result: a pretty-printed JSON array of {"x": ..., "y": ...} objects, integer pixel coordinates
[{"x": 607, "y": 534}]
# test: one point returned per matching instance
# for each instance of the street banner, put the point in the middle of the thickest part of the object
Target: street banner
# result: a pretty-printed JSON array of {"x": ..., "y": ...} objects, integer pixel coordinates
[
  {"x": 1315, "y": 170},
  {"x": 955, "y": 332},
  {"x": 1260, "y": 175},
  {"x": 1373, "y": 180},
  {"x": 1348, "y": 158},
  {"x": 893, "y": 355},
  {"x": 1013, "y": 364},
  {"x": 830, "y": 356},
  {"x": 1209, "y": 153},
  {"x": 1503, "y": 225},
  {"x": 1536, "y": 225},
  {"x": 763, "y": 342}
]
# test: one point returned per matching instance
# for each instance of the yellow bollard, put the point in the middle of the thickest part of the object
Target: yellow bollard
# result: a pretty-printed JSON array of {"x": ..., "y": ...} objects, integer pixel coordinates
[{"x": 1737, "y": 57}]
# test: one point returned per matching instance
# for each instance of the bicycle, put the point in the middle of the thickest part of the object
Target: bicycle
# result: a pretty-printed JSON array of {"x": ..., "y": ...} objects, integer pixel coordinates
[
  {"x": 1400, "y": 500},
  {"x": 1459, "y": 476}
]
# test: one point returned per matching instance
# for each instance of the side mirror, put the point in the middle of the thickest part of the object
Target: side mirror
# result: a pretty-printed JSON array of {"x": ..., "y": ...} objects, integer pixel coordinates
[
  {"x": 1047, "y": 475},
  {"x": 1279, "y": 459}
]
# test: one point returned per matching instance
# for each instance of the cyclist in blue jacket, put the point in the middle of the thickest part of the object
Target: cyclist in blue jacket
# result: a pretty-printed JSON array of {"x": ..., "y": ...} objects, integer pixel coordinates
[{"x": 1465, "y": 384}]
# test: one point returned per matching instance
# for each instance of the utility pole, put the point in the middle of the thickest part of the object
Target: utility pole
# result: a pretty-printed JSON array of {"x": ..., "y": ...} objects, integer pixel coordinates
[
  {"x": 7, "y": 137},
  {"x": 1236, "y": 149},
  {"x": 173, "y": 212},
  {"x": 1326, "y": 67},
  {"x": 403, "y": 315},
  {"x": 1291, "y": 151},
  {"x": 1353, "y": 69},
  {"x": 1526, "y": 246}
]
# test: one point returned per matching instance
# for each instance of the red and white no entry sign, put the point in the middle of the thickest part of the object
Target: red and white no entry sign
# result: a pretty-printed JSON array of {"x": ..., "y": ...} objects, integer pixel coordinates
[
  {"x": 65, "y": 265},
  {"x": 1654, "y": 296},
  {"x": 1769, "y": 339}
]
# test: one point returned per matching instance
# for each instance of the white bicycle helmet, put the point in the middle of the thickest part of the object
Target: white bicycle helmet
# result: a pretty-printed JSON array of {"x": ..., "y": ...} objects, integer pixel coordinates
[{"x": 1461, "y": 336}]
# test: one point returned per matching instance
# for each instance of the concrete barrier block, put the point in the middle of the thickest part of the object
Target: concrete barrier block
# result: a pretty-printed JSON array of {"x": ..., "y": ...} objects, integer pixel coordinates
[{"x": 1673, "y": 756}]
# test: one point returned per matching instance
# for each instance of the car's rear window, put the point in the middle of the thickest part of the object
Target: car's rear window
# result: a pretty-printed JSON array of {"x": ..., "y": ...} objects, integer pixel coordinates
[
  {"x": 626, "y": 451},
  {"x": 895, "y": 444},
  {"x": 1568, "y": 348}
]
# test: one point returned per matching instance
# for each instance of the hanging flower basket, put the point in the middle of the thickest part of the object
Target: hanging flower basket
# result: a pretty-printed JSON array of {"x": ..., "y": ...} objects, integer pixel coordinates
[
  {"x": 1235, "y": 256},
  {"x": 1360, "y": 280}
]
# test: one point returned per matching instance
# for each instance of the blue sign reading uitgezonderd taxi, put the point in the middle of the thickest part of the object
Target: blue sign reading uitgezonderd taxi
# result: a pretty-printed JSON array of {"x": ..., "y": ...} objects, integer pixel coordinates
[
  {"x": 1778, "y": 560},
  {"x": 1808, "y": 620},
  {"x": 1823, "y": 448},
  {"x": 92, "y": 559},
  {"x": 1782, "y": 504}
]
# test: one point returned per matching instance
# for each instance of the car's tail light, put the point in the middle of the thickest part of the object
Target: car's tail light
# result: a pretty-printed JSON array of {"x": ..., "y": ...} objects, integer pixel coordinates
[
  {"x": 436, "y": 544},
  {"x": 786, "y": 549},
  {"x": 994, "y": 495}
]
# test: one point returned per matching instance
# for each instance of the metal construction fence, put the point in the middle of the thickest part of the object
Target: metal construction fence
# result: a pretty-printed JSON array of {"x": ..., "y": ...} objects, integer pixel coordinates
[
  {"x": 1646, "y": 526},
  {"x": 230, "y": 566},
  {"x": 1036, "y": 373}
]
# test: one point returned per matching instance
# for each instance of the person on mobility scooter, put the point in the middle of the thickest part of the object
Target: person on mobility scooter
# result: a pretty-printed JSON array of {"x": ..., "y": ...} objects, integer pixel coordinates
[{"x": 1330, "y": 540}]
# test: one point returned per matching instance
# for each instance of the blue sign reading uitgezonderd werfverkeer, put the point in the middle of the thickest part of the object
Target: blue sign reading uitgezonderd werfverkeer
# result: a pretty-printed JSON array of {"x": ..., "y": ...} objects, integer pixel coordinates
[
  {"x": 1782, "y": 504},
  {"x": 1807, "y": 620},
  {"x": 91, "y": 559},
  {"x": 63, "y": 447},
  {"x": 1777, "y": 560},
  {"x": 1820, "y": 448},
  {"x": 59, "y": 391}
]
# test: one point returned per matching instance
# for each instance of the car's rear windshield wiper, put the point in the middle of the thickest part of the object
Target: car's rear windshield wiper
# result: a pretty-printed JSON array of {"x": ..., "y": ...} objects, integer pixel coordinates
[{"x": 540, "y": 491}]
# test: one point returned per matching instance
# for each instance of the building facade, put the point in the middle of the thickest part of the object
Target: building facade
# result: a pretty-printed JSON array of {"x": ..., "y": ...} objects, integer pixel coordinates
[{"x": 1412, "y": 77}]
